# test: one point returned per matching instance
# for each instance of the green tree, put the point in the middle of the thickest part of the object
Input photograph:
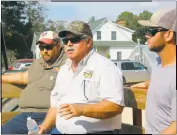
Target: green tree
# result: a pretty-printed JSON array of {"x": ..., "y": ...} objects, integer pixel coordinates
[
  {"x": 141, "y": 30},
  {"x": 131, "y": 21},
  {"x": 19, "y": 20},
  {"x": 145, "y": 15},
  {"x": 139, "y": 33},
  {"x": 61, "y": 25},
  {"x": 129, "y": 18},
  {"x": 92, "y": 19},
  {"x": 55, "y": 25},
  {"x": 35, "y": 14}
]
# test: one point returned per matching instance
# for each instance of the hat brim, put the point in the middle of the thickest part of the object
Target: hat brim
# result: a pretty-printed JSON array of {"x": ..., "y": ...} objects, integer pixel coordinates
[
  {"x": 147, "y": 23},
  {"x": 45, "y": 40},
  {"x": 62, "y": 33}
]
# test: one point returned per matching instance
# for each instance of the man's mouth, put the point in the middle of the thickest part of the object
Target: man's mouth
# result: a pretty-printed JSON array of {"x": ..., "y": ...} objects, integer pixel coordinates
[{"x": 69, "y": 51}]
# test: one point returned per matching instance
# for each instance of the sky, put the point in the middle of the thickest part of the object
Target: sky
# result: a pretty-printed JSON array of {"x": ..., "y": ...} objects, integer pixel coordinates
[{"x": 69, "y": 11}]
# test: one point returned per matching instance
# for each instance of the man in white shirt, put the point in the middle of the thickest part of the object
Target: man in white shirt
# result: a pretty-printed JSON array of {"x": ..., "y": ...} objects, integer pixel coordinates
[{"x": 88, "y": 96}]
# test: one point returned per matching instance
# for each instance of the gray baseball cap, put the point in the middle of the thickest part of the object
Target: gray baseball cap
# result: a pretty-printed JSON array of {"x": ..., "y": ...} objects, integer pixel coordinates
[
  {"x": 77, "y": 28},
  {"x": 165, "y": 18}
]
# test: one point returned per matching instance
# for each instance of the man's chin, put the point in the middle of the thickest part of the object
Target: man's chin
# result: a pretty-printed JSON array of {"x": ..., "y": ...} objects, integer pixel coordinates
[
  {"x": 46, "y": 59},
  {"x": 156, "y": 49}
]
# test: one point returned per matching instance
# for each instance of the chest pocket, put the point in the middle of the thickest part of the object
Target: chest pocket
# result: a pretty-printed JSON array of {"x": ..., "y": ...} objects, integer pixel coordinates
[{"x": 90, "y": 89}]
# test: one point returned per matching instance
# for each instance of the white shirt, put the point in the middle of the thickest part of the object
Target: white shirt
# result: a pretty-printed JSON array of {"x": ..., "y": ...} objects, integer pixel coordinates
[{"x": 103, "y": 80}]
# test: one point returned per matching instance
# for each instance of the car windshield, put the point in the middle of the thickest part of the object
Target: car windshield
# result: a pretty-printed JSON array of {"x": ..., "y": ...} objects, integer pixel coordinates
[{"x": 16, "y": 65}]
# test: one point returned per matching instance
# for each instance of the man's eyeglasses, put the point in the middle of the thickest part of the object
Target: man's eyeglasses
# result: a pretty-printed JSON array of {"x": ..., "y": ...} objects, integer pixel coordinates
[
  {"x": 47, "y": 47},
  {"x": 73, "y": 40},
  {"x": 152, "y": 31}
]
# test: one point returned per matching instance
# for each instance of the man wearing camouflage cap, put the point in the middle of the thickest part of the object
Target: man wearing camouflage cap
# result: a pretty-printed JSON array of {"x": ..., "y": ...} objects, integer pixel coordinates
[
  {"x": 161, "y": 96},
  {"x": 40, "y": 79},
  {"x": 88, "y": 96}
]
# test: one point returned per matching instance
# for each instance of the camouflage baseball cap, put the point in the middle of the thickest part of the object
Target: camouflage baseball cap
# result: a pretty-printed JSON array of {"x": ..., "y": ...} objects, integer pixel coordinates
[
  {"x": 165, "y": 18},
  {"x": 77, "y": 28}
]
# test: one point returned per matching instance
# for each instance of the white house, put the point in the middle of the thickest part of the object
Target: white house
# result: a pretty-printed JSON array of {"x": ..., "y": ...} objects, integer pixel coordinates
[{"x": 112, "y": 39}]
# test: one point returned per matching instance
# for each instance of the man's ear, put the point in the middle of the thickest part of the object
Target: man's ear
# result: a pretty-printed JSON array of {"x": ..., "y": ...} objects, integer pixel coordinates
[
  {"x": 169, "y": 36},
  {"x": 89, "y": 42}
]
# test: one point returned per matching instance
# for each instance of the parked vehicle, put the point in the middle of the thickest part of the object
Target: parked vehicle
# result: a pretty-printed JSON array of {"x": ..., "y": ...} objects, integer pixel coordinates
[
  {"x": 21, "y": 64},
  {"x": 133, "y": 71}
]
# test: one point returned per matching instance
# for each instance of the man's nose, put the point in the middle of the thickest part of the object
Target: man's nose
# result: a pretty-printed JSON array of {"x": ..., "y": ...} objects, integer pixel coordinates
[
  {"x": 69, "y": 43},
  {"x": 147, "y": 36},
  {"x": 45, "y": 50}
]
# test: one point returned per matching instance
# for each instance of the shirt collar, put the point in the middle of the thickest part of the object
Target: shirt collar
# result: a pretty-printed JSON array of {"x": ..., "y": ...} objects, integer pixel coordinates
[{"x": 83, "y": 62}]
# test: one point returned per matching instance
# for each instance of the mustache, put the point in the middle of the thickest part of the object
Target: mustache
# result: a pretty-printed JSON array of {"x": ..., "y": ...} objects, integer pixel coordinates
[
  {"x": 46, "y": 54},
  {"x": 70, "y": 49}
]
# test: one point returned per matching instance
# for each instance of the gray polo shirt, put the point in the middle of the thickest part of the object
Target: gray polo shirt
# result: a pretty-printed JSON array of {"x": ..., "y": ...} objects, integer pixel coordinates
[
  {"x": 161, "y": 99},
  {"x": 36, "y": 96}
]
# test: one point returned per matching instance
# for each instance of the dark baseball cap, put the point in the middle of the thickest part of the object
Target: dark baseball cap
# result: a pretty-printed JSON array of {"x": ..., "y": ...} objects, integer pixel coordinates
[{"x": 77, "y": 28}]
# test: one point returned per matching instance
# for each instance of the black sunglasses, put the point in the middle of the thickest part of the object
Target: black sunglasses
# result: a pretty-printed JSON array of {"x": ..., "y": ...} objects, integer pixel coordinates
[
  {"x": 73, "y": 40},
  {"x": 47, "y": 47},
  {"x": 152, "y": 31}
]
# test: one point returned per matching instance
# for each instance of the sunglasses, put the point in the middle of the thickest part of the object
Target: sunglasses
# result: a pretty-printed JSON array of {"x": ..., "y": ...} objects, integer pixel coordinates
[
  {"x": 152, "y": 31},
  {"x": 73, "y": 40},
  {"x": 47, "y": 47}
]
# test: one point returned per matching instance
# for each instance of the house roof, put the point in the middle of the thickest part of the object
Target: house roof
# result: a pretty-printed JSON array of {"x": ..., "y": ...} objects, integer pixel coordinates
[
  {"x": 96, "y": 23},
  {"x": 114, "y": 43}
]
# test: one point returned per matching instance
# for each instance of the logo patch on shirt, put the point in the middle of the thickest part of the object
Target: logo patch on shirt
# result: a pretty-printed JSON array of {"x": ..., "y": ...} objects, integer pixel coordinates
[
  {"x": 88, "y": 74},
  {"x": 56, "y": 69},
  {"x": 51, "y": 77}
]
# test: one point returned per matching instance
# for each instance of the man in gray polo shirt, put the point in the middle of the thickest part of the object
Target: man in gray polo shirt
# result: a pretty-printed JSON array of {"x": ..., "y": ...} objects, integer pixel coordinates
[
  {"x": 161, "y": 95},
  {"x": 40, "y": 80}
]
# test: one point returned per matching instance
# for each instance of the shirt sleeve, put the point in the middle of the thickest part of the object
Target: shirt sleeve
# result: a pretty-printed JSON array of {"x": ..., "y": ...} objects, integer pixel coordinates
[
  {"x": 173, "y": 106},
  {"x": 111, "y": 85}
]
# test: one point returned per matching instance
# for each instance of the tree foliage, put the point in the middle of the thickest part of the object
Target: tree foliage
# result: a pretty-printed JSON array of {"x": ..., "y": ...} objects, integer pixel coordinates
[
  {"x": 145, "y": 15},
  {"x": 19, "y": 20},
  {"x": 131, "y": 22},
  {"x": 55, "y": 25},
  {"x": 92, "y": 19},
  {"x": 130, "y": 19}
]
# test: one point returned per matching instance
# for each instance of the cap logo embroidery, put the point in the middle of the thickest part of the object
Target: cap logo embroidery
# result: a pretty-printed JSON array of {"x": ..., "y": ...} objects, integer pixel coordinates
[{"x": 43, "y": 34}]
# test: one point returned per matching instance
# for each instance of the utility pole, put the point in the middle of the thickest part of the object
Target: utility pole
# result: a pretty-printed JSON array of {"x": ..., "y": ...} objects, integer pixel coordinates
[
  {"x": 4, "y": 47},
  {"x": 139, "y": 50}
]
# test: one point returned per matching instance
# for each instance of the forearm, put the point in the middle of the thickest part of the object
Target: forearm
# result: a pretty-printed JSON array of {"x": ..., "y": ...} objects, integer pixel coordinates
[
  {"x": 102, "y": 110},
  {"x": 170, "y": 130},
  {"x": 16, "y": 78},
  {"x": 50, "y": 118},
  {"x": 147, "y": 83}
]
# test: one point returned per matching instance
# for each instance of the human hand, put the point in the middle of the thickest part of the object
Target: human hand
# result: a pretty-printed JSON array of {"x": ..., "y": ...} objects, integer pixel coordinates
[
  {"x": 42, "y": 129},
  {"x": 70, "y": 110}
]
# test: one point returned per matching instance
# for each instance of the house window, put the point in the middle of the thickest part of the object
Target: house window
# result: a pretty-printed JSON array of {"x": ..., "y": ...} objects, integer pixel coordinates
[
  {"x": 113, "y": 35},
  {"x": 119, "y": 55},
  {"x": 98, "y": 35}
]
